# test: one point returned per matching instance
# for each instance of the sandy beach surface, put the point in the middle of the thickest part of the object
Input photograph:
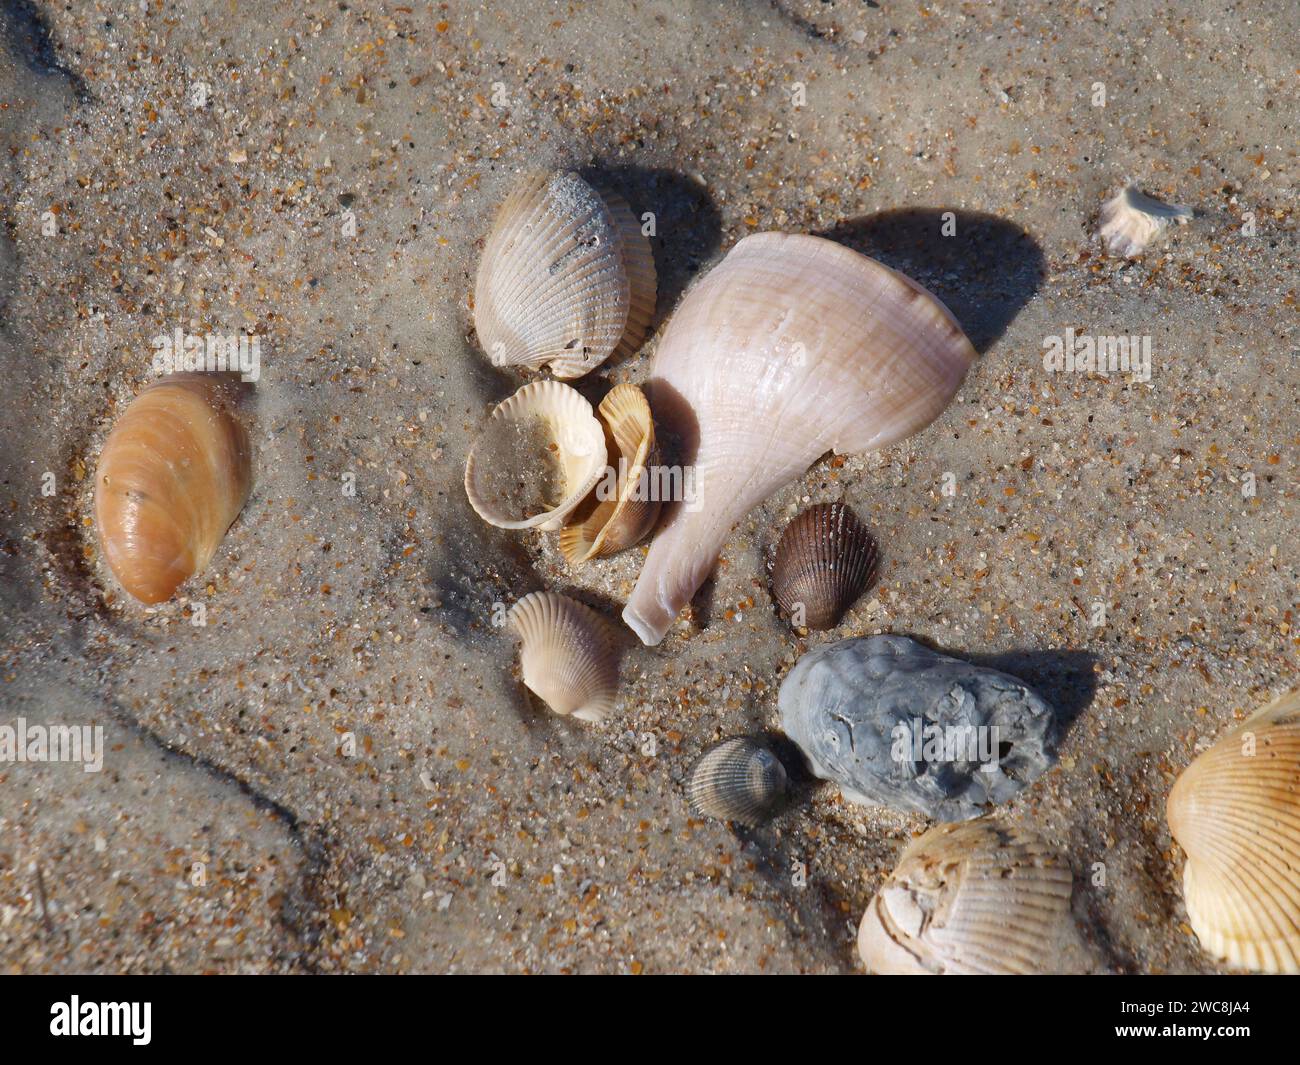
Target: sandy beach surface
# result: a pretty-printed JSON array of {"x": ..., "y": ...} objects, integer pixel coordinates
[{"x": 340, "y": 770}]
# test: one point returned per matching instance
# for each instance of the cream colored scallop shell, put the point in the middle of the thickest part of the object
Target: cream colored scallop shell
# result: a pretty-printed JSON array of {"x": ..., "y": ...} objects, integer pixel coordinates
[
  {"x": 1130, "y": 220},
  {"x": 540, "y": 453},
  {"x": 566, "y": 277},
  {"x": 625, "y": 505},
  {"x": 567, "y": 655},
  {"x": 1236, "y": 812},
  {"x": 968, "y": 898}
]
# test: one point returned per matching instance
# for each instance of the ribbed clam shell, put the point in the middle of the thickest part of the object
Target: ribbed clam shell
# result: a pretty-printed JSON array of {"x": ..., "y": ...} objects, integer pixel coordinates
[
  {"x": 1237, "y": 815},
  {"x": 566, "y": 277},
  {"x": 970, "y": 898},
  {"x": 174, "y": 474},
  {"x": 567, "y": 656},
  {"x": 737, "y": 780},
  {"x": 629, "y": 507},
  {"x": 1130, "y": 220},
  {"x": 541, "y": 451},
  {"x": 824, "y": 561},
  {"x": 792, "y": 347}
]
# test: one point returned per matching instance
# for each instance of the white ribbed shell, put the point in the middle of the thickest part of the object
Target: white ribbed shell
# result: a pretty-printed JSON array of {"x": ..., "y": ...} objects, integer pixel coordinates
[
  {"x": 567, "y": 655},
  {"x": 969, "y": 898},
  {"x": 793, "y": 346},
  {"x": 1237, "y": 815},
  {"x": 576, "y": 435},
  {"x": 565, "y": 278}
]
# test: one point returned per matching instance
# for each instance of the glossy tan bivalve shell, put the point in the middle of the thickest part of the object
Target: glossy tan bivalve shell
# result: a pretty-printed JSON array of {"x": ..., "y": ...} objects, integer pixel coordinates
[
  {"x": 174, "y": 474},
  {"x": 623, "y": 507},
  {"x": 824, "y": 561},
  {"x": 567, "y": 654},
  {"x": 566, "y": 277},
  {"x": 976, "y": 897},
  {"x": 1236, "y": 812},
  {"x": 540, "y": 453},
  {"x": 792, "y": 347}
]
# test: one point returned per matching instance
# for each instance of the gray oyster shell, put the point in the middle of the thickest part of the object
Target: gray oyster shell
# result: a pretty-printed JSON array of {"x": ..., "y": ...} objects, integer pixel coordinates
[{"x": 856, "y": 707}]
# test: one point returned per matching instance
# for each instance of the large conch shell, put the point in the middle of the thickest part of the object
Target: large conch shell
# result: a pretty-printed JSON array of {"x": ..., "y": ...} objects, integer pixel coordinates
[
  {"x": 567, "y": 654},
  {"x": 540, "y": 453},
  {"x": 624, "y": 506},
  {"x": 566, "y": 277},
  {"x": 793, "y": 346},
  {"x": 970, "y": 898},
  {"x": 173, "y": 475},
  {"x": 1236, "y": 812}
]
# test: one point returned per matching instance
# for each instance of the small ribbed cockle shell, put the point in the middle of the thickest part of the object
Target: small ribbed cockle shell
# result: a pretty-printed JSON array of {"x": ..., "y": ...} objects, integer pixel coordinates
[
  {"x": 624, "y": 506},
  {"x": 971, "y": 898},
  {"x": 738, "y": 779},
  {"x": 824, "y": 561},
  {"x": 1236, "y": 812},
  {"x": 540, "y": 453},
  {"x": 567, "y": 655},
  {"x": 173, "y": 476},
  {"x": 1130, "y": 220},
  {"x": 566, "y": 277}
]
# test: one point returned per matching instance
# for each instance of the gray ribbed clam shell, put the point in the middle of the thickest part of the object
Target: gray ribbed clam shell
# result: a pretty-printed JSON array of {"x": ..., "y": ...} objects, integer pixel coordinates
[
  {"x": 866, "y": 713},
  {"x": 737, "y": 780}
]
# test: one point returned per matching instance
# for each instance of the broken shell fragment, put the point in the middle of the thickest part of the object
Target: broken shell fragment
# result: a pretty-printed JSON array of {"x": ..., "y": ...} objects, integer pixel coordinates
[
  {"x": 567, "y": 654},
  {"x": 791, "y": 347},
  {"x": 566, "y": 277},
  {"x": 1130, "y": 220},
  {"x": 540, "y": 453},
  {"x": 824, "y": 561},
  {"x": 1236, "y": 812},
  {"x": 974, "y": 898},
  {"x": 623, "y": 507},
  {"x": 173, "y": 476},
  {"x": 737, "y": 780}
]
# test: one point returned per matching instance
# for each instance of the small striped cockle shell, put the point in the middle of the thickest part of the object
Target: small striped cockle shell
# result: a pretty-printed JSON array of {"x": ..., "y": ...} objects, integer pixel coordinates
[
  {"x": 173, "y": 475},
  {"x": 977, "y": 897},
  {"x": 624, "y": 506},
  {"x": 567, "y": 654},
  {"x": 1130, "y": 219},
  {"x": 566, "y": 277},
  {"x": 791, "y": 347},
  {"x": 824, "y": 561},
  {"x": 737, "y": 780},
  {"x": 540, "y": 453},
  {"x": 1236, "y": 812}
]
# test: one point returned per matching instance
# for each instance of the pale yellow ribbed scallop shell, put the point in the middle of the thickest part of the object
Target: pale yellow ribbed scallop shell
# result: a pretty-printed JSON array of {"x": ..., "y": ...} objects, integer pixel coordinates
[
  {"x": 567, "y": 654},
  {"x": 1236, "y": 812},
  {"x": 976, "y": 897},
  {"x": 566, "y": 277},
  {"x": 624, "y": 506},
  {"x": 791, "y": 347},
  {"x": 540, "y": 453}
]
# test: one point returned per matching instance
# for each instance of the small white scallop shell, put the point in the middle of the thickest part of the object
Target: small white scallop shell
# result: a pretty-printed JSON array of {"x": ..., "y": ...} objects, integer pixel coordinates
[
  {"x": 567, "y": 654},
  {"x": 969, "y": 898},
  {"x": 540, "y": 453},
  {"x": 1130, "y": 220},
  {"x": 566, "y": 277},
  {"x": 1236, "y": 812},
  {"x": 737, "y": 780}
]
